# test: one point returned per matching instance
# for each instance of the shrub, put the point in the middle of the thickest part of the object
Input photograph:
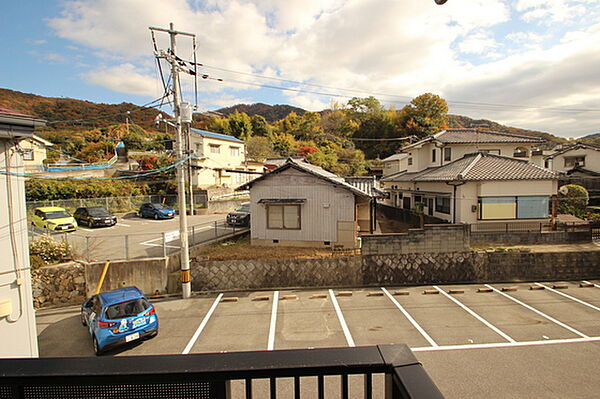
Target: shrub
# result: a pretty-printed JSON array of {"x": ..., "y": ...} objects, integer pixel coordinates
[
  {"x": 574, "y": 200},
  {"x": 48, "y": 251}
]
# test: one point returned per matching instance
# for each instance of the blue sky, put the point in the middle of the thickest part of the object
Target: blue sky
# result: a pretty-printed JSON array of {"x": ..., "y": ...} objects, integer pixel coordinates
[{"x": 527, "y": 63}]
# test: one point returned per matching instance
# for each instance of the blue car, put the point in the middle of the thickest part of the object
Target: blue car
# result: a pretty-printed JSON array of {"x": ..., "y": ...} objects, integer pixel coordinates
[
  {"x": 156, "y": 211},
  {"x": 118, "y": 317}
]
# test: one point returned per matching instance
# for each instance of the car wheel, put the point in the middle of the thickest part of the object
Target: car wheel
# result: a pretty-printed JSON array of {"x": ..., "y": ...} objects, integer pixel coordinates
[
  {"x": 97, "y": 350},
  {"x": 156, "y": 216},
  {"x": 83, "y": 322},
  {"x": 90, "y": 223}
]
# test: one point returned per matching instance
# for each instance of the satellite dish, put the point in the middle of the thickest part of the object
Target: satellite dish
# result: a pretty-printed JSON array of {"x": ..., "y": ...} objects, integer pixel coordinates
[{"x": 564, "y": 190}]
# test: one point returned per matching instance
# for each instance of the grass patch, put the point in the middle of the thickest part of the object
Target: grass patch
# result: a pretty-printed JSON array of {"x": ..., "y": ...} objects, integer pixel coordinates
[{"x": 240, "y": 248}]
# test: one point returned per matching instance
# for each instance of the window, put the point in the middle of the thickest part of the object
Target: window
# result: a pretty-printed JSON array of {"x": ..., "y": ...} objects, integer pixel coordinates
[
  {"x": 234, "y": 151},
  {"x": 27, "y": 154},
  {"x": 570, "y": 162},
  {"x": 442, "y": 205},
  {"x": 199, "y": 148},
  {"x": 523, "y": 207},
  {"x": 215, "y": 149},
  {"x": 433, "y": 152},
  {"x": 418, "y": 198},
  {"x": 409, "y": 161},
  {"x": 283, "y": 217},
  {"x": 521, "y": 152},
  {"x": 447, "y": 154},
  {"x": 406, "y": 202}
]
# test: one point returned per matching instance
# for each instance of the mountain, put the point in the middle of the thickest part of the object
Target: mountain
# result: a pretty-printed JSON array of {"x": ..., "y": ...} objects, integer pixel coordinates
[
  {"x": 590, "y": 136},
  {"x": 271, "y": 113},
  {"x": 67, "y": 109},
  {"x": 459, "y": 121}
]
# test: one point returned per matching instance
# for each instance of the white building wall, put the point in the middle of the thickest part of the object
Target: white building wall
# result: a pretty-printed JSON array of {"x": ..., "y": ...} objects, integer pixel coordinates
[
  {"x": 325, "y": 206},
  {"x": 592, "y": 160},
  {"x": 18, "y": 337}
]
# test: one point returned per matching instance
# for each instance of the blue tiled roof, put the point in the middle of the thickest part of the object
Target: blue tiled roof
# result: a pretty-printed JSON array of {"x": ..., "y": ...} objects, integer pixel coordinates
[{"x": 219, "y": 136}]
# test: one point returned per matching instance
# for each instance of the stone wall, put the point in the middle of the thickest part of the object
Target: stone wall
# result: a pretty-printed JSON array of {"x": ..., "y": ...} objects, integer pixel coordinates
[
  {"x": 275, "y": 273},
  {"x": 62, "y": 284},
  {"x": 433, "y": 238},
  {"x": 225, "y": 205},
  {"x": 481, "y": 238}
]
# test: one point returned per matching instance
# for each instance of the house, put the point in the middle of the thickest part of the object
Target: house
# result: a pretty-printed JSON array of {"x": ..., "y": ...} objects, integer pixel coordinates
[
  {"x": 452, "y": 144},
  {"x": 581, "y": 165},
  {"x": 216, "y": 158},
  {"x": 17, "y": 322},
  {"x": 299, "y": 204},
  {"x": 478, "y": 188},
  {"x": 395, "y": 163},
  {"x": 34, "y": 153}
]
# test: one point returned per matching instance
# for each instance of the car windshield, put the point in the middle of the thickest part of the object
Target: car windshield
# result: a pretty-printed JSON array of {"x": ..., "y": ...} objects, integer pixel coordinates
[
  {"x": 243, "y": 208},
  {"x": 57, "y": 214},
  {"x": 127, "y": 309},
  {"x": 98, "y": 212},
  {"x": 157, "y": 206}
]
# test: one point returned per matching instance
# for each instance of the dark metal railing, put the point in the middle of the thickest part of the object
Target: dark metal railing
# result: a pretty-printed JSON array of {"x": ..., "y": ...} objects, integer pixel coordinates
[{"x": 211, "y": 375}]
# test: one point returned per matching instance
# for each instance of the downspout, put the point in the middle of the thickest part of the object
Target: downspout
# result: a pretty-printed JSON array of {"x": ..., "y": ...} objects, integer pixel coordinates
[{"x": 454, "y": 185}]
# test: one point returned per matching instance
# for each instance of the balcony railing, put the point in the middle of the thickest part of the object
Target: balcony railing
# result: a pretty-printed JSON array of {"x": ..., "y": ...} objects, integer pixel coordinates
[{"x": 211, "y": 375}]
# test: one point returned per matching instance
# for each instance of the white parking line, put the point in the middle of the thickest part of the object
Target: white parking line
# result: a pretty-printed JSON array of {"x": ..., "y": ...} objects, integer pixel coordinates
[
  {"x": 409, "y": 317},
  {"x": 552, "y": 319},
  {"x": 472, "y": 313},
  {"x": 271, "y": 342},
  {"x": 505, "y": 344},
  {"x": 595, "y": 285},
  {"x": 569, "y": 296},
  {"x": 341, "y": 319},
  {"x": 123, "y": 224},
  {"x": 202, "y": 325},
  {"x": 83, "y": 228}
]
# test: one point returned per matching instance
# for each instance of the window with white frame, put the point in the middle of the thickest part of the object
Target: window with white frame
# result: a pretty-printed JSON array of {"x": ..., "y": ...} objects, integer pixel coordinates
[
  {"x": 215, "y": 148},
  {"x": 234, "y": 151},
  {"x": 284, "y": 217},
  {"x": 571, "y": 162},
  {"x": 27, "y": 154},
  {"x": 513, "y": 207}
]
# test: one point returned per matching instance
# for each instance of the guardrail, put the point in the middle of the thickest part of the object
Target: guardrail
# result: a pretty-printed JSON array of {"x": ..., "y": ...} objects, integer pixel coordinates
[
  {"x": 211, "y": 375},
  {"x": 81, "y": 166}
]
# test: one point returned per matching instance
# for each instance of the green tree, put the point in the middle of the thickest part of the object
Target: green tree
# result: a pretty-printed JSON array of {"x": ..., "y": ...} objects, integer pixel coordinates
[
  {"x": 338, "y": 124},
  {"x": 375, "y": 127},
  {"x": 259, "y": 148},
  {"x": 284, "y": 144},
  {"x": 219, "y": 125},
  {"x": 573, "y": 199},
  {"x": 260, "y": 126},
  {"x": 425, "y": 115},
  {"x": 361, "y": 108},
  {"x": 240, "y": 125}
]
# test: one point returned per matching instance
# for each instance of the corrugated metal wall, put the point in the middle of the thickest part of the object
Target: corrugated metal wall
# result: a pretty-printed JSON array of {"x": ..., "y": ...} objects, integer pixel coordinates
[{"x": 325, "y": 205}]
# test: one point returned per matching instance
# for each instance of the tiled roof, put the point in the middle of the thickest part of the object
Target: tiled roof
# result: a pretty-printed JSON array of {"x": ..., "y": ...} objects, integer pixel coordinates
[
  {"x": 571, "y": 147},
  {"x": 475, "y": 136},
  {"x": 311, "y": 169},
  {"x": 480, "y": 167},
  {"x": 395, "y": 157},
  {"x": 219, "y": 136},
  {"x": 12, "y": 112}
]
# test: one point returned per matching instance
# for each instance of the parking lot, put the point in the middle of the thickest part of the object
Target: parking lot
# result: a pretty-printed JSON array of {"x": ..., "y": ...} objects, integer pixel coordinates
[
  {"x": 135, "y": 237},
  {"x": 498, "y": 340}
]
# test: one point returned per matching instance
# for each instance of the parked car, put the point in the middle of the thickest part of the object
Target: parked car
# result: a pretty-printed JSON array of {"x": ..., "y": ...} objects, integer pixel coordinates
[
  {"x": 156, "y": 211},
  {"x": 240, "y": 217},
  {"x": 53, "y": 218},
  {"x": 94, "y": 217},
  {"x": 118, "y": 317}
]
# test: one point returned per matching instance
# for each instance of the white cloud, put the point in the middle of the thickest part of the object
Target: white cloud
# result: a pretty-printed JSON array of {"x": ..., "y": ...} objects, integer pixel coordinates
[
  {"x": 405, "y": 48},
  {"x": 125, "y": 78}
]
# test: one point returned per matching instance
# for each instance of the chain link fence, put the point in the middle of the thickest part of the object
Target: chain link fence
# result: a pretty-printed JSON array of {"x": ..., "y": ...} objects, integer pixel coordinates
[
  {"x": 115, "y": 204},
  {"x": 138, "y": 245}
]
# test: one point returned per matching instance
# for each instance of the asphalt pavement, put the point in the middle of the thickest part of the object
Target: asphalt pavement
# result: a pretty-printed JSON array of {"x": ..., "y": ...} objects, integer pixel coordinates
[{"x": 507, "y": 341}]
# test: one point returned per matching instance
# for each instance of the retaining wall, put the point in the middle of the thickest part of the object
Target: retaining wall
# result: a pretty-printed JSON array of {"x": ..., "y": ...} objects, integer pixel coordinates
[
  {"x": 62, "y": 284},
  {"x": 529, "y": 238}
]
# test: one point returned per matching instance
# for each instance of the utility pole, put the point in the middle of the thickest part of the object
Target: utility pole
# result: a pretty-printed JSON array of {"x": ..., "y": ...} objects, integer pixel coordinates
[
  {"x": 171, "y": 57},
  {"x": 190, "y": 170}
]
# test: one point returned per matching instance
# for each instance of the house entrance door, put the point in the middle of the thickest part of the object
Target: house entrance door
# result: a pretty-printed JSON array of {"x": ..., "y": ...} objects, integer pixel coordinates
[{"x": 430, "y": 206}]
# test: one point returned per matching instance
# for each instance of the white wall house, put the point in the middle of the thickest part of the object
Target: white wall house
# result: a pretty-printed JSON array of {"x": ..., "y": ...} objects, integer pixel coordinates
[
  {"x": 576, "y": 156},
  {"x": 299, "y": 204},
  {"x": 491, "y": 180},
  {"x": 216, "y": 155},
  {"x": 18, "y": 336},
  {"x": 395, "y": 163},
  {"x": 34, "y": 153}
]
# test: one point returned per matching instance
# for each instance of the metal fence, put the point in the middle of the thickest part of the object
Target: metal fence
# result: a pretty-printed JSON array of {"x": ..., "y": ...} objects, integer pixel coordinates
[
  {"x": 100, "y": 247},
  {"x": 116, "y": 204},
  {"x": 528, "y": 227},
  {"x": 211, "y": 375}
]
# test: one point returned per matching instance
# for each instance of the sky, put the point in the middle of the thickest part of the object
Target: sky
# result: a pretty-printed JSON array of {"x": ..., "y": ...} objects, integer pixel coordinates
[{"x": 533, "y": 64}]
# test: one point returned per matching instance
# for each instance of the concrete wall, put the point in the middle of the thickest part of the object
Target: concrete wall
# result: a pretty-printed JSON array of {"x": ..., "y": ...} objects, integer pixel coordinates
[
  {"x": 225, "y": 206},
  {"x": 529, "y": 238},
  {"x": 149, "y": 275},
  {"x": 430, "y": 239},
  {"x": 18, "y": 336}
]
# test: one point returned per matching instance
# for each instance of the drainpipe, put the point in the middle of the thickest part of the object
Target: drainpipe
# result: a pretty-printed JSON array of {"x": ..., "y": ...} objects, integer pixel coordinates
[{"x": 455, "y": 184}]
